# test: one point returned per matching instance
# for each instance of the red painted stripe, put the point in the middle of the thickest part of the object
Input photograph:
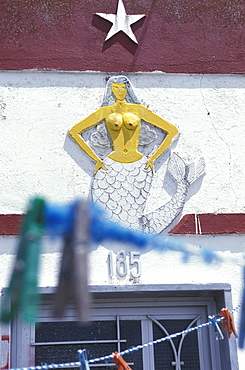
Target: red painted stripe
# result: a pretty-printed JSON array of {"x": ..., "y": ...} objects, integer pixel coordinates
[
  {"x": 211, "y": 223},
  {"x": 10, "y": 224},
  {"x": 206, "y": 223},
  {"x": 175, "y": 36}
]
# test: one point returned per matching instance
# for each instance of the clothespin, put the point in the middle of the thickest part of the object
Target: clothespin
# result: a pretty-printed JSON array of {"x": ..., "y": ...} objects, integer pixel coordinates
[
  {"x": 73, "y": 277},
  {"x": 242, "y": 318},
  {"x": 22, "y": 293},
  {"x": 227, "y": 322},
  {"x": 217, "y": 331},
  {"x": 119, "y": 362},
  {"x": 81, "y": 241},
  {"x": 60, "y": 222},
  {"x": 83, "y": 359},
  {"x": 65, "y": 289},
  {"x": 30, "y": 296}
]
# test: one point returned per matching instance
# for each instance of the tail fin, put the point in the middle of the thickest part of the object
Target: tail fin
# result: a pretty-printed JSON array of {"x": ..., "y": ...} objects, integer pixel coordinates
[
  {"x": 196, "y": 170},
  {"x": 176, "y": 167}
]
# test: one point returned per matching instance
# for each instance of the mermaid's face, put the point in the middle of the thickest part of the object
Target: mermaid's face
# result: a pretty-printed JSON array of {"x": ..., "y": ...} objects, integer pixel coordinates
[{"x": 119, "y": 90}]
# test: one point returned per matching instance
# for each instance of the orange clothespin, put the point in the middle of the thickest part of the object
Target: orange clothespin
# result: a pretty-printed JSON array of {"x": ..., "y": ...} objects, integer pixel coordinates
[
  {"x": 227, "y": 322},
  {"x": 119, "y": 362}
]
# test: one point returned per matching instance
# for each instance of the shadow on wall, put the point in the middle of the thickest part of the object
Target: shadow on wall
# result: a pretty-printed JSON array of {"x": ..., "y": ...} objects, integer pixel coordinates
[
  {"x": 145, "y": 80},
  {"x": 77, "y": 154}
]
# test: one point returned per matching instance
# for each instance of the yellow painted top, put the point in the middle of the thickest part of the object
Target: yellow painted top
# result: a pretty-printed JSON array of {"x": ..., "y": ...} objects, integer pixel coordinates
[{"x": 123, "y": 121}]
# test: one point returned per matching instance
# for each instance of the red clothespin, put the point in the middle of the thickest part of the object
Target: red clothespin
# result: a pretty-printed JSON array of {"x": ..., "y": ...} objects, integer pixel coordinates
[
  {"x": 227, "y": 322},
  {"x": 119, "y": 362}
]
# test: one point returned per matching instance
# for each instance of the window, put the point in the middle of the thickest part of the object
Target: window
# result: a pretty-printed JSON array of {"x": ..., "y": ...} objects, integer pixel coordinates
[{"x": 124, "y": 317}]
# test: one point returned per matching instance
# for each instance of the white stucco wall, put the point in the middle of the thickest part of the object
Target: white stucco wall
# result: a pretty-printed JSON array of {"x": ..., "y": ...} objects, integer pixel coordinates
[{"x": 37, "y": 157}]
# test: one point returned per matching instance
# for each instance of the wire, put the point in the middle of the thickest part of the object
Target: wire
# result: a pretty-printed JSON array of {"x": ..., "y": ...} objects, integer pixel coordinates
[
  {"x": 141, "y": 346},
  {"x": 129, "y": 350},
  {"x": 171, "y": 336}
]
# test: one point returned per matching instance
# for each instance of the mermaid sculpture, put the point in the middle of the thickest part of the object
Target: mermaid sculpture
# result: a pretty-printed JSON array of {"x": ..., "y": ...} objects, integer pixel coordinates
[{"x": 122, "y": 180}]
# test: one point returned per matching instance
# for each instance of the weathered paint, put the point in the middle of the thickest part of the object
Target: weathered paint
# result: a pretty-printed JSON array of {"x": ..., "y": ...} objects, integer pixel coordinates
[
  {"x": 181, "y": 36},
  {"x": 211, "y": 223},
  {"x": 10, "y": 224},
  {"x": 200, "y": 224}
]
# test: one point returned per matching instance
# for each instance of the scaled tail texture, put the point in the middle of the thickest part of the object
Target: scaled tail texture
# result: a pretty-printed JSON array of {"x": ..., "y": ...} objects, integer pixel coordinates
[{"x": 184, "y": 175}]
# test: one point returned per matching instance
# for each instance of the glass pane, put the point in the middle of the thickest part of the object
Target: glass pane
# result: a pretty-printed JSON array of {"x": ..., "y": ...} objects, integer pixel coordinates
[
  {"x": 164, "y": 353},
  {"x": 73, "y": 331},
  {"x": 48, "y": 332},
  {"x": 68, "y": 353},
  {"x": 64, "y": 331},
  {"x": 131, "y": 331}
]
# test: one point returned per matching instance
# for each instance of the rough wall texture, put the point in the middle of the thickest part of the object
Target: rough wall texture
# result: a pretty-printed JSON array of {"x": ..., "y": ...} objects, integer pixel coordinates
[
  {"x": 181, "y": 36},
  {"x": 38, "y": 108},
  {"x": 37, "y": 157}
]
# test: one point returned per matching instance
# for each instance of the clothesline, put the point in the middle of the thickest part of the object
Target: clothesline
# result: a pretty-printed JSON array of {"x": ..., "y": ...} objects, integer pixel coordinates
[
  {"x": 127, "y": 351},
  {"x": 58, "y": 220},
  {"x": 80, "y": 223},
  {"x": 163, "y": 339}
]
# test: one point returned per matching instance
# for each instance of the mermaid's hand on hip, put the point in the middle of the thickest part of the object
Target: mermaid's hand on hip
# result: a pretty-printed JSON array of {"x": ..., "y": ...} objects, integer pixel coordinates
[
  {"x": 150, "y": 164},
  {"x": 99, "y": 164}
]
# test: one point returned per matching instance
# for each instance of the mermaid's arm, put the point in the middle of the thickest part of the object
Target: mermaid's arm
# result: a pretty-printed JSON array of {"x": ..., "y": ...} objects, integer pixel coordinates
[
  {"x": 164, "y": 125},
  {"x": 76, "y": 131}
]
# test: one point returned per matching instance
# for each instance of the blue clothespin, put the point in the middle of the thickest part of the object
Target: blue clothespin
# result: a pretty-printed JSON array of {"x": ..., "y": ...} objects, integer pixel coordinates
[
  {"x": 83, "y": 359},
  {"x": 217, "y": 331},
  {"x": 242, "y": 318}
]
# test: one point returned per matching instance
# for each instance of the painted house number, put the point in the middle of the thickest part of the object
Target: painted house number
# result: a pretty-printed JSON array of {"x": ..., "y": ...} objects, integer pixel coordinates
[{"x": 123, "y": 264}]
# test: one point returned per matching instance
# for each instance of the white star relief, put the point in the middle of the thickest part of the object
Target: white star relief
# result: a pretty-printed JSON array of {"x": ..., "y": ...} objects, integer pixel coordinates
[{"x": 121, "y": 22}]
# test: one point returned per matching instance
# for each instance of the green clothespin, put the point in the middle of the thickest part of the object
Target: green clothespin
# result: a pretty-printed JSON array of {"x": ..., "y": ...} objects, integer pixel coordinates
[
  {"x": 35, "y": 229},
  {"x": 22, "y": 293}
]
